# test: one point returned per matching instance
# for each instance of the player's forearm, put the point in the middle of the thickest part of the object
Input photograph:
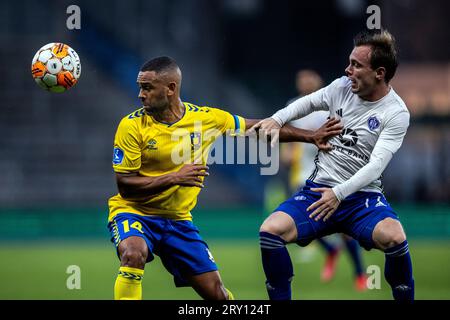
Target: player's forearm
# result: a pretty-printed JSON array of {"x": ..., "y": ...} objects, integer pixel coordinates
[
  {"x": 289, "y": 133},
  {"x": 364, "y": 176},
  {"x": 139, "y": 186}
]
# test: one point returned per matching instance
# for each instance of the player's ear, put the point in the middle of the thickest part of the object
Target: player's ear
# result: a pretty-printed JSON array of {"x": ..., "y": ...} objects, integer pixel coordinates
[
  {"x": 380, "y": 73},
  {"x": 172, "y": 86}
]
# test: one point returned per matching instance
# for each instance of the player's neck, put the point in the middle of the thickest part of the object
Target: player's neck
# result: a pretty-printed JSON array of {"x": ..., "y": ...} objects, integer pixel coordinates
[
  {"x": 378, "y": 93},
  {"x": 172, "y": 114}
]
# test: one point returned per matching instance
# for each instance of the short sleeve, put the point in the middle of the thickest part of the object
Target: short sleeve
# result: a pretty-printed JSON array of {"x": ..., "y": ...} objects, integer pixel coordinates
[
  {"x": 391, "y": 137},
  {"x": 127, "y": 151},
  {"x": 229, "y": 123}
]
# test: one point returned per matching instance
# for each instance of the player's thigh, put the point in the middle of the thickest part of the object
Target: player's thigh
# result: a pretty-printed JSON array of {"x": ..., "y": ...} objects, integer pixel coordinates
[
  {"x": 292, "y": 222},
  {"x": 134, "y": 237},
  {"x": 281, "y": 224},
  {"x": 184, "y": 253},
  {"x": 364, "y": 225},
  {"x": 208, "y": 285}
]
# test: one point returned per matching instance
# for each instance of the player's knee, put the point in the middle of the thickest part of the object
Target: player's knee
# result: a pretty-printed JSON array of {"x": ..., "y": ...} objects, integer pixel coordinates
[
  {"x": 133, "y": 258},
  {"x": 395, "y": 239},
  {"x": 272, "y": 228},
  {"x": 388, "y": 233},
  {"x": 277, "y": 223},
  {"x": 280, "y": 224}
]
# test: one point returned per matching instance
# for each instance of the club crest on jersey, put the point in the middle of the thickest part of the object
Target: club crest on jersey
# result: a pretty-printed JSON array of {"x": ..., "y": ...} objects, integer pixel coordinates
[
  {"x": 152, "y": 144},
  {"x": 373, "y": 123},
  {"x": 196, "y": 140},
  {"x": 117, "y": 156}
]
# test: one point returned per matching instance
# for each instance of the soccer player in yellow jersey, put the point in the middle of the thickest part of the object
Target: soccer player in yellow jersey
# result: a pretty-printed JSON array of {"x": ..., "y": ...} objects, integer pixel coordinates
[{"x": 159, "y": 160}]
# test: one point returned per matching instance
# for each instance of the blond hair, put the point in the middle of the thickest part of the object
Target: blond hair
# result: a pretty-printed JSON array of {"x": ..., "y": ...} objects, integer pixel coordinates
[{"x": 384, "y": 51}]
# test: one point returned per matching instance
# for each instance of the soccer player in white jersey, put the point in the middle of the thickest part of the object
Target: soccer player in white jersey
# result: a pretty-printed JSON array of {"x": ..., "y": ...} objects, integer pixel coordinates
[
  {"x": 300, "y": 159},
  {"x": 344, "y": 194}
]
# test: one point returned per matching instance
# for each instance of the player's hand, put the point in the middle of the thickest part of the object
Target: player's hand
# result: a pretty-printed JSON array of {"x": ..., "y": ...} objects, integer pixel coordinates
[
  {"x": 191, "y": 175},
  {"x": 266, "y": 127},
  {"x": 325, "y": 206},
  {"x": 329, "y": 129}
]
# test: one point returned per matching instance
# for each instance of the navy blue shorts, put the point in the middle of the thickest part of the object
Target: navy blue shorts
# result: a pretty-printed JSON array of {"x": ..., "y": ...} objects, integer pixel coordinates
[
  {"x": 356, "y": 216},
  {"x": 178, "y": 243}
]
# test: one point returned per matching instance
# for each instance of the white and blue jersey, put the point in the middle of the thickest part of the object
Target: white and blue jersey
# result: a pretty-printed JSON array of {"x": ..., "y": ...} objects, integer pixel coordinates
[
  {"x": 373, "y": 132},
  {"x": 367, "y": 125}
]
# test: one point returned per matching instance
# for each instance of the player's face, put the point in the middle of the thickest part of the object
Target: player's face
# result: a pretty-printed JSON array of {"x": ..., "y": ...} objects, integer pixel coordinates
[
  {"x": 360, "y": 72},
  {"x": 152, "y": 92}
]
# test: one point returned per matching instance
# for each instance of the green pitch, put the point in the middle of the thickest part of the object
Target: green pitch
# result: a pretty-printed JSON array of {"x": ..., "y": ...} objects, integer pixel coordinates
[{"x": 38, "y": 271}]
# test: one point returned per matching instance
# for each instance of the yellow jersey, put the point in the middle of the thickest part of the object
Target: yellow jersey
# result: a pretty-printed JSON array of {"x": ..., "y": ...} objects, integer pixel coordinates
[{"x": 153, "y": 148}]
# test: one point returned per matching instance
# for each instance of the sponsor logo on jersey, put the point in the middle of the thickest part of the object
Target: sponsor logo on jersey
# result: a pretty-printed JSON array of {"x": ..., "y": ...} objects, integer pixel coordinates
[
  {"x": 350, "y": 152},
  {"x": 373, "y": 123},
  {"x": 339, "y": 112},
  {"x": 348, "y": 137},
  {"x": 117, "y": 156},
  {"x": 152, "y": 144}
]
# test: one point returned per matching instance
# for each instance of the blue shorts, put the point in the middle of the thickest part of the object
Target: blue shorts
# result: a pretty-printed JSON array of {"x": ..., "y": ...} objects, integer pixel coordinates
[
  {"x": 178, "y": 243},
  {"x": 356, "y": 216}
]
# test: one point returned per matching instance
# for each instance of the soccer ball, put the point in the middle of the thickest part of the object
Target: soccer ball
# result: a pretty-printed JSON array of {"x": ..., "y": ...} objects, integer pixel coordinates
[{"x": 56, "y": 67}]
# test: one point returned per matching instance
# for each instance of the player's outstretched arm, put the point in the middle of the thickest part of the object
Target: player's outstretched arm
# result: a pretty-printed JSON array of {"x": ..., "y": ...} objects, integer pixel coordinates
[
  {"x": 319, "y": 137},
  {"x": 133, "y": 185},
  {"x": 288, "y": 133}
]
